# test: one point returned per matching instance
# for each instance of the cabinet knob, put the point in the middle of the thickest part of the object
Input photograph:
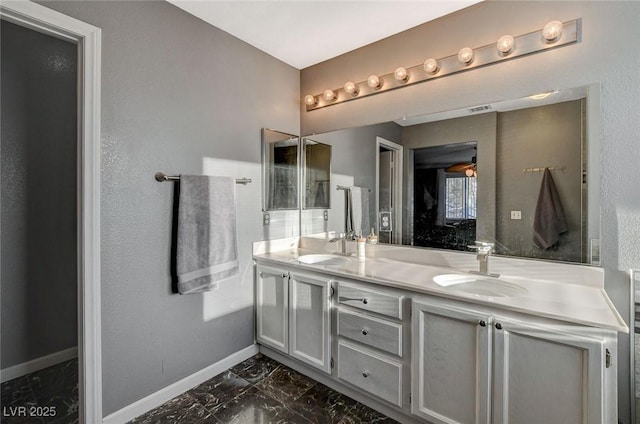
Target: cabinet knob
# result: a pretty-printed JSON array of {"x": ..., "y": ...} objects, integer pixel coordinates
[
  {"x": 284, "y": 275},
  {"x": 365, "y": 374},
  {"x": 498, "y": 326},
  {"x": 482, "y": 323},
  {"x": 365, "y": 300},
  {"x": 365, "y": 331}
]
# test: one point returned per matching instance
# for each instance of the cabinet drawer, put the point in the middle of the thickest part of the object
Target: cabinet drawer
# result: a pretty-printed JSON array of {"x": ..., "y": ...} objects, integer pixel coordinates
[
  {"x": 379, "y": 333},
  {"x": 370, "y": 300},
  {"x": 377, "y": 375}
]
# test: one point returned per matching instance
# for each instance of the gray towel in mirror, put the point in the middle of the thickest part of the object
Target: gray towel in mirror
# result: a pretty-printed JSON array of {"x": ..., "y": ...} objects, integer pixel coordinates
[{"x": 549, "y": 220}]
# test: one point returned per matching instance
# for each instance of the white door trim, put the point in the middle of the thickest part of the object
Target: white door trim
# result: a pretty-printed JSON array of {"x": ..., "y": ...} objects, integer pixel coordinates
[
  {"x": 397, "y": 183},
  {"x": 88, "y": 38}
]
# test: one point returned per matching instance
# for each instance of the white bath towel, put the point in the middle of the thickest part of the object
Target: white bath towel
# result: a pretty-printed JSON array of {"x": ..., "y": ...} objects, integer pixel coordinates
[
  {"x": 359, "y": 210},
  {"x": 206, "y": 246}
]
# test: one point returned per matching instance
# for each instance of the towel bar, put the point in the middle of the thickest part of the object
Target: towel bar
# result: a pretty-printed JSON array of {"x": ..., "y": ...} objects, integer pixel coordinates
[
  {"x": 347, "y": 188},
  {"x": 551, "y": 168},
  {"x": 161, "y": 177}
]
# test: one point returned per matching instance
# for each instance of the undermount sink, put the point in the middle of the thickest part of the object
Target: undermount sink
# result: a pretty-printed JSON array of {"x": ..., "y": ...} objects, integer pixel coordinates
[
  {"x": 323, "y": 259},
  {"x": 479, "y": 285}
]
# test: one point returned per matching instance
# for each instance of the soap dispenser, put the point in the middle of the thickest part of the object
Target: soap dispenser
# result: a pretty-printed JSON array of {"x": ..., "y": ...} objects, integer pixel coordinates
[{"x": 372, "y": 238}]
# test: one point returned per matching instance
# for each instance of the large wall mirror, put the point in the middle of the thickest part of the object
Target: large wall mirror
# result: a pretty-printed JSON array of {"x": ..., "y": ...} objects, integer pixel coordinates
[
  {"x": 280, "y": 167},
  {"x": 476, "y": 173}
]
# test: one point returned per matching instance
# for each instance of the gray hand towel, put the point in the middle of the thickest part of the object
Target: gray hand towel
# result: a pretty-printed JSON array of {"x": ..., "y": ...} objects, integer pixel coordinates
[
  {"x": 549, "y": 220},
  {"x": 207, "y": 248}
]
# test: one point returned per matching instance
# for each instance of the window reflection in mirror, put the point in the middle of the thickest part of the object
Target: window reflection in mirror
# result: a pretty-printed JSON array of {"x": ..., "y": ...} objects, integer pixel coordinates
[
  {"x": 317, "y": 174},
  {"x": 280, "y": 170},
  {"x": 445, "y": 196}
]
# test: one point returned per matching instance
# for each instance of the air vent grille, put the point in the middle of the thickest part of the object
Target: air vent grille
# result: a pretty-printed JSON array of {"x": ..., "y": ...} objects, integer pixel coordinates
[{"x": 477, "y": 109}]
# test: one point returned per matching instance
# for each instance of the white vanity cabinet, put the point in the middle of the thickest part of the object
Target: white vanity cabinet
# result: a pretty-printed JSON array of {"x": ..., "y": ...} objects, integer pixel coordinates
[
  {"x": 451, "y": 364},
  {"x": 293, "y": 314},
  {"x": 473, "y": 366},
  {"x": 310, "y": 320},
  {"x": 272, "y": 308},
  {"x": 371, "y": 341}
]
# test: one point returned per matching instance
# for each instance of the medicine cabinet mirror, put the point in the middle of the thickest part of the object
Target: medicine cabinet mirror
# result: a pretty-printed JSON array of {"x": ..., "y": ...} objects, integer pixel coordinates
[
  {"x": 506, "y": 145},
  {"x": 280, "y": 167},
  {"x": 316, "y": 162}
]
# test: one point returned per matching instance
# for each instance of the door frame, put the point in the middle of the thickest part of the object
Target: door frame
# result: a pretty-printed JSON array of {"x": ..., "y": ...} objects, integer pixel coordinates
[
  {"x": 397, "y": 150},
  {"x": 88, "y": 39}
]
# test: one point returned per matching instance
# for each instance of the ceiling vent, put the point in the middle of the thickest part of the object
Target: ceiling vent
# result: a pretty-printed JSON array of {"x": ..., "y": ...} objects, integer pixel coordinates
[{"x": 477, "y": 109}]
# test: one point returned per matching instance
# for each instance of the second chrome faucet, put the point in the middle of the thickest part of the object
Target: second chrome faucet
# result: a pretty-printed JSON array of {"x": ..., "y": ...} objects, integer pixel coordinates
[{"x": 484, "y": 249}]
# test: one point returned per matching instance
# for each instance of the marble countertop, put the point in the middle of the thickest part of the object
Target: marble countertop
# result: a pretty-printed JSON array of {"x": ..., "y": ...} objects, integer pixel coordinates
[{"x": 584, "y": 302}]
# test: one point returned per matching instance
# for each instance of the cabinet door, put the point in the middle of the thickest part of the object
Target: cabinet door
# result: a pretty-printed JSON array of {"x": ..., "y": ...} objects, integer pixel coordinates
[
  {"x": 272, "y": 304},
  {"x": 450, "y": 364},
  {"x": 309, "y": 321},
  {"x": 546, "y": 376}
]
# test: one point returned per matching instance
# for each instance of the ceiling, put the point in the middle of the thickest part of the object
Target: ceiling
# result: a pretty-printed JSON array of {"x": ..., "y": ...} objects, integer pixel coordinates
[{"x": 303, "y": 33}]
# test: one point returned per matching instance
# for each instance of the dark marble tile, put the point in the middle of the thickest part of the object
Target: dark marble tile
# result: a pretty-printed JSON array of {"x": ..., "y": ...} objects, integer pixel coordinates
[
  {"x": 322, "y": 405},
  {"x": 17, "y": 392},
  {"x": 256, "y": 407},
  {"x": 219, "y": 389},
  {"x": 255, "y": 368},
  {"x": 362, "y": 414},
  {"x": 59, "y": 380},
  {"x": 285, "y": 384},
  {"x": 183, "y": 409}
]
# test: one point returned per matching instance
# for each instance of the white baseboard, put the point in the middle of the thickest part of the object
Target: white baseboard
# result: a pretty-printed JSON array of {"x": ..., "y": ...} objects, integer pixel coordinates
[
  {"x": 156, "y": 399},
  {"x": 37, "y": 364}
]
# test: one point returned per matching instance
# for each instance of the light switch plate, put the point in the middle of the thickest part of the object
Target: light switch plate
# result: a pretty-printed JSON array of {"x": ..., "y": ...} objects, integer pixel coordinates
[{"x": 516, "y": 214}]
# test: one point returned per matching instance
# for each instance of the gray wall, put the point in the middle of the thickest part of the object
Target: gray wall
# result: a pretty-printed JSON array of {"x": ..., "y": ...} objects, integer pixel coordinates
[
  {"x": 531, "y": 138},
  {"x": 597, "y": 58},
  {"x": 178, "y": 96},
  {"x": 38, "y": 213}
]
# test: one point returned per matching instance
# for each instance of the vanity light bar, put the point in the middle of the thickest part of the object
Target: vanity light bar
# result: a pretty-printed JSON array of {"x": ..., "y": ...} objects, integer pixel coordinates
[{"x": 555, "y": 34}]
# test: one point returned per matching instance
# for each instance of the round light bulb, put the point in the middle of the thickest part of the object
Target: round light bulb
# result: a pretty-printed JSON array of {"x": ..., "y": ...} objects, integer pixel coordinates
[
  {"x": 465, "y": 55},
  {"x": 431, "y": 65},
  {"x": 351, "y": 88},
  {"x": 329, "y": 95},
  {"x": 469, "y": 172},
  {"x": 505, "y": 44},
  {"x": 401, "y": 74},
  {"x": 374, "y": 82},
  {"x": 310, "y": 100},
  {"x": 552, "y": 31}
]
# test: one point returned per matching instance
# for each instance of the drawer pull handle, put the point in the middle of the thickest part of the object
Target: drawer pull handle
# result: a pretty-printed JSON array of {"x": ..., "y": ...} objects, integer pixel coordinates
[
  {"x": 498, "y": 326},
  {"x": 347, "y": 299},
  {"x": 482, "y": 323},
  {"x": 365, "y": 331},
  {"x": 365, "y": 374}
]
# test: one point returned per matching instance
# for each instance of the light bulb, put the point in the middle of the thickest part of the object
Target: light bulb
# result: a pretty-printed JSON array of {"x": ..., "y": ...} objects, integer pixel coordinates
[
  {"x": 374, "y": 82},
  {"x": 310, "y": 100},
  {"x": 552, "y": 31},
  {"x": 329, "y": 95},
  {"x": 469, "y": 172},
  {"x": 465, "y": 55},
  {"x": 401, "y": 74},
  {"x": 505, "y": 44},
  {"x": 351, "y": 88},
  {"x": 431, "y": 65}
]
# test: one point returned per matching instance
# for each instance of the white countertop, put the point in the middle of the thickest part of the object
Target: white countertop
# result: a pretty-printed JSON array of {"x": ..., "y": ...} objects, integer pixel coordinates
[{"x": 581, "y": 301}]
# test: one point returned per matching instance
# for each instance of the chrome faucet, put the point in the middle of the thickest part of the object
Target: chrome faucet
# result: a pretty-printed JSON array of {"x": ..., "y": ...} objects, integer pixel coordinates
[
  {"x": 485, "y": 249},
  {"x": 343, "y": 243}
]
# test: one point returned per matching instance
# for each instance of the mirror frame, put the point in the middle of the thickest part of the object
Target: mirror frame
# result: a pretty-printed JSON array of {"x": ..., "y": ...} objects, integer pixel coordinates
[{"x": 266, "y": 168}]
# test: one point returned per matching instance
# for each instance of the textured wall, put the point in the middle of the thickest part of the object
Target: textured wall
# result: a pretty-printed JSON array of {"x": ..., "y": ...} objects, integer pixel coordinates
[
  {"x": 598, "y": 58},
  {"x": 178, "y": 96},
  {"x": 38, "y": 195}
]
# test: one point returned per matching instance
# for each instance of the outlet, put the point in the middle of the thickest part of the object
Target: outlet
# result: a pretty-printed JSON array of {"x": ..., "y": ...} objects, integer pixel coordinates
[
  {"x": 325, "y": 215},
  {"x": 265, "y": 219},
  {"x": 516, "y": 214}
]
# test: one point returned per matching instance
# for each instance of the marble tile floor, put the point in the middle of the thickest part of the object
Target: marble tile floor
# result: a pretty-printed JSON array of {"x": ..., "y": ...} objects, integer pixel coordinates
[
  {"x": 48, "y": 396},
  {"x": 262, "y": 391}
]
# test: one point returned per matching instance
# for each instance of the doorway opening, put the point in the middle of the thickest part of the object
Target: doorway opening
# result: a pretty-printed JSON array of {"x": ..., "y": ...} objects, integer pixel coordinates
[{"x": 388, "y": 210}]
